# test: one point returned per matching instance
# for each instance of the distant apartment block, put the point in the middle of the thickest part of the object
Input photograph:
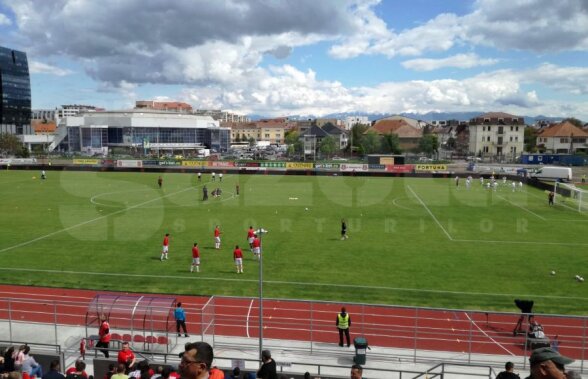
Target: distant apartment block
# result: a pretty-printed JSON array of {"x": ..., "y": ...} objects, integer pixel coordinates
[
  {"x": 496, "y": 134},
  {"x": 563, "y": 138},
  {"x": 15, "y": 92},
  {"x": 222, "y": 116},
  {"x": 43, "y": 114},
  {"x": 74, "y": 110},
  {"x": 170, "y": 106},
  {"x": 352, "y": 120}
]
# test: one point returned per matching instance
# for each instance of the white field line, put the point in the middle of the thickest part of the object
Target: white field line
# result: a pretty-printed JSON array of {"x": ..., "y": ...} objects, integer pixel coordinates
[
  {"x": 248, "y": 314},
  {"x": 561, "y": 204},
  {"x": 91, "y": 221},
  {"x": 526, "y": 242},
  {"x": 256, "y": 281},
  {"x": 401, "y": 206},
  {"x": 430, "y": 213},
  {"x": 486, "y": 334},
  {"x": 523, "y": 208}
]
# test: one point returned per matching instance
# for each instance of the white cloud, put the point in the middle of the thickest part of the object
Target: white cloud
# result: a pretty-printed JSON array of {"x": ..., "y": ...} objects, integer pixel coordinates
[
  {"x": 4, "y": 20},
  {"x": 458, "y": 61},
  {"x": 573, "y": 80},
  {"x": 36, "y": 67}
]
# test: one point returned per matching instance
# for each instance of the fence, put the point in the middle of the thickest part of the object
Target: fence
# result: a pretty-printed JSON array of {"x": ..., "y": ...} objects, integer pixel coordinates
[{"x": 414, "y": 334}]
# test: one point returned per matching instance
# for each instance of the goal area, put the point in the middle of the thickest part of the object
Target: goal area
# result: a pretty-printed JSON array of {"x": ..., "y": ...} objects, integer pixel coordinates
[{"x": 571, "y": 196}]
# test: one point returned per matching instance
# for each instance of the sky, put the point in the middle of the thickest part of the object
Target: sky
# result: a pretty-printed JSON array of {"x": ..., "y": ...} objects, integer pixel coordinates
[{"x": 307, "y": 57}]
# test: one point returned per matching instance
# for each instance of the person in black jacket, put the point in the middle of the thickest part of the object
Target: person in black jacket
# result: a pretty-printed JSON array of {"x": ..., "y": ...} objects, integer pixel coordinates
[
  {"x": 508, "y": 373},
  {"x": 268, "y": 368}
]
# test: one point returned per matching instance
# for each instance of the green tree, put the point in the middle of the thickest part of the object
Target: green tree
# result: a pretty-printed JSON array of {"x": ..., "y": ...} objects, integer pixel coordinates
[
  {"x": 429, "y": 144},
  {"x": 357, "y": 135},
  {"x": 291, "y": 137},
  {"x": 451, "y": 143},
  {"x": 251, "y": 141},
  {"x": 238, "y": 138},
  {"x": 370, "y": 143},
  {"x": 574, "y": 121},
  {"x": 391, "y": 143},
  {"x": 10, "y": 145},
  {"x": 328, "y": 146},
  {"x": 530, "y": 139}
]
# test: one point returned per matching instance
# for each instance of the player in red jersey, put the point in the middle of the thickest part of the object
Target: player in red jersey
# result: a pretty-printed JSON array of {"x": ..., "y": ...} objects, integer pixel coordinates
[
  {"x": 195, "y": 258},
  {"x": 217, "y": 239},
  {"x": 256, "y": 247},
  {"x": 250, "y": 237},
  {"x": 165, "y": 247},
  {"x": 238, "y": 257}
]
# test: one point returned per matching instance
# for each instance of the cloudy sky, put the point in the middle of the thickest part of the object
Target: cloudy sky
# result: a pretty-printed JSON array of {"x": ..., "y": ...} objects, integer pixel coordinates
[{"x": 284, "y": 57}]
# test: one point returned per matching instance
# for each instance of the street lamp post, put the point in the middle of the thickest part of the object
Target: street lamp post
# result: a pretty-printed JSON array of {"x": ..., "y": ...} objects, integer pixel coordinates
[{"x": 260, "y": 232}]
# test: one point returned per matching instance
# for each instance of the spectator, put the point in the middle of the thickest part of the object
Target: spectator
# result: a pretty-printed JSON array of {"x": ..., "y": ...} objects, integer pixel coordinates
[
  {"x": 78, "y": 372},
  {"x": 343, "y": 323},
  {"x": 547, "y": 363},
  {"x": 158, "y": 372},
  {"x": 111, "y": 371},
  {"x": 508, "y": 373},
  {"x": 104, "y": 334},
  {"x": 356, "y": 372},
  {"x": 126, "y": 357},
  {"x": 54, "y": 371},
  {"x": 307, "y": 375},
  {"x": 196, "y": 361},
  {"x": 216, "y": 373},
  {"x": 9, "y": 360},
  {"x": 120, "y": 372},
  {"x": 236, "y": 373},
  {"x": 30, "y": 366},
  {"x": 573, "y": 375},
  {"x": 180, "y": 316},
  {"x": 268, "y": 367},
  {"x": 142, "y": 368},
  {"x": 18, "y": 357}
]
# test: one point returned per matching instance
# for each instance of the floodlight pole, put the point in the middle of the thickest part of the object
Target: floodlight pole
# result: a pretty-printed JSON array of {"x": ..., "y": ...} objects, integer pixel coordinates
[{"x": 260, "y": 232}]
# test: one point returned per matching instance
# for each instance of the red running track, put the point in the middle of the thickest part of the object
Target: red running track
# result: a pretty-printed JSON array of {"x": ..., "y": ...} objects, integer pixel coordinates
[{"x": 385, "y": 326}]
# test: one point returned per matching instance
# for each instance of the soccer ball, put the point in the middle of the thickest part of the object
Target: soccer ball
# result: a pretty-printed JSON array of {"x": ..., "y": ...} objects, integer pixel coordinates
[
  {"x": 305, "y": 209},
  {"x": 552, "y": 272}
]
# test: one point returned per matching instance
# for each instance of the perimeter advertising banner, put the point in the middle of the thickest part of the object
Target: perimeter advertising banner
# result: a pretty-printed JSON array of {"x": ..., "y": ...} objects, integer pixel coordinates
[
  {"x": 327, "y": 166},
  {"x": 169, "y": 163},
  {"x": 387, "y": 160},
  {"x": 194, "y": 163},
  {"x": 221, "y": 164},
  {"x": 399, "y": 168},
  {"x": 129, "y": 163},
  {"x": 299, "y": 165},
  {"x": 273, "y": 164},
  {"x": 353, "y": 167},
  {"x": 431, "y": 167},
  {"x": 86, "y": 161}
]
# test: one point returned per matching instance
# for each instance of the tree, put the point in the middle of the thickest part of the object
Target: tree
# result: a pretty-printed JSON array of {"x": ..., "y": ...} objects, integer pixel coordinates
[
  {"x": 451, "y": 143},
  {"x": 251, "y": 141},
  {"x": 291, "y": 137},
  {"x": 530, "y": 139},
  {"x": 574, "y": 121},
  {"x": 10, "y": 145},
  {"x": 357, "y": 135},
  {"x": 370, "y": 143},
  {"x": 391, "y": 143},
  {"x": 328, "y": 146},
  {"x": 238, "y": 138},
  {"x": 429, "y": 144}
]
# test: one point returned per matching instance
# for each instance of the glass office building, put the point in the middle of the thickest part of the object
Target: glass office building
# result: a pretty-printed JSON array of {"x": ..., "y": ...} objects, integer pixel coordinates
[
  {"x": 15, "y": 92},
  {"x": 149, "y": 132}
]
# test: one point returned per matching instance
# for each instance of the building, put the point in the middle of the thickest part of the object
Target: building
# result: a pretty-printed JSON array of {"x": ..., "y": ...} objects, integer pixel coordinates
[
  {"x": 320, "y": 122},
  {"x": 340, "y": 135},
  {"x": 149, "y": 132},
  {"x": 222, "y": 116},
  {"x": 74, "y": 110},
  {"x": 352, "y": 120},
  {"x": 408, "y": 135},
  {"x": 562, "y": 138},
  {"x": 15, "y": 92},
  {"x": 496, "y": 134},
  {"x": 170, "y": 106},
  {"x": 43, "y": 114},
  {"x": 242, "y": 131},
  {"x": 417, "y": 124}
]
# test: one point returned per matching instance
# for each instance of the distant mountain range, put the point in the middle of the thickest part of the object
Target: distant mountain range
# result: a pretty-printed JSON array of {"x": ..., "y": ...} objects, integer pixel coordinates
[{"x": 429, "y": 116}]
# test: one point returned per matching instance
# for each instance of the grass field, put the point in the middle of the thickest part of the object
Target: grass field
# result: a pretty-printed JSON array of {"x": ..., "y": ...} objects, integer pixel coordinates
[{"x": 412, "y": 241}]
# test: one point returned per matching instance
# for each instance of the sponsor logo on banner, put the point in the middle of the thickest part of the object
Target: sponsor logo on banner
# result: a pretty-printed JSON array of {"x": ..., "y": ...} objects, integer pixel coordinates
[
  {"x": 150, "y": 163},
  {"x": 194, "y": 163},
  {"x": 377, "y": 166},
  {"x": 273, "y": 164},
  {"x": 129, "y": 163},
  {"x": 387, "y": 160},
  {"x": 299, "y": 165},
  {"x": 431, "y": 167},
  {"x": 221, "y": 164},
  {"x": 327, "y": 166},
  {"x": 399, "y": 168},
  {"x": 18, "y": 161},
  {"x": 353, "y": 167},
  {"x": 250, "y": 164},
  {"x": 86, "y": 161},
  {"x": 169, "y": 163}
]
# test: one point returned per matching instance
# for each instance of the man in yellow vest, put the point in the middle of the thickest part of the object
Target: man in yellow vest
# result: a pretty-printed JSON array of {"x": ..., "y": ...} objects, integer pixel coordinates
[{"x": 343, "y": 324}]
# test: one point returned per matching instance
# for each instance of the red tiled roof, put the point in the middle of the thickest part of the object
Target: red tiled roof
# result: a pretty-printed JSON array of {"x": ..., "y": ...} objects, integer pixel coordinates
[
  {"x": 563, "y": 129},
  {"x": 398, "y": 127},
  {"x": 43, "y": 127}
]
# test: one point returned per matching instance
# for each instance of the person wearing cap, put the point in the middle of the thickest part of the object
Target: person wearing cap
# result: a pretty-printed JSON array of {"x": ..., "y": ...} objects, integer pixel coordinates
[
  {"x": 508, "y": 373},
  {"x": 547, "y": 363},
  {"x": 268, "y": 367}
]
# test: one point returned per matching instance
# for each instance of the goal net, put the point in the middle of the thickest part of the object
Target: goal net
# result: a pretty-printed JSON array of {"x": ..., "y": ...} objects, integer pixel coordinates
[{"x": 571, "y": 196}]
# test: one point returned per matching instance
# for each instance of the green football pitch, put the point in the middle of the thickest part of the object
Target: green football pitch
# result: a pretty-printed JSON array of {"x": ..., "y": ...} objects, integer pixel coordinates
[{"x": 412, "y": 241}]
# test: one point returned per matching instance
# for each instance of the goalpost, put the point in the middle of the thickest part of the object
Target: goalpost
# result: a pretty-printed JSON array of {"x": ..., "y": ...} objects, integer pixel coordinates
[{"x": 571, "y": 196}]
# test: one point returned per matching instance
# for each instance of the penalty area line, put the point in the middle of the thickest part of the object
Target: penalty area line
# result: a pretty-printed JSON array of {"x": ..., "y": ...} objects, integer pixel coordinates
[
  {"x": 281, "y": 282},
  {"x": 430, "y": 213}
]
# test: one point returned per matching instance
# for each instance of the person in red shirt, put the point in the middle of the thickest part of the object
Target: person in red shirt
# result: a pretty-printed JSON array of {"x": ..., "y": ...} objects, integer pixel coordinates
[
  {"x": 250, "y": 237},
  {"x": 195, "y": 258},
  {"x": 256, "y": 247},
  {"x": 238, "y": 257},
  {"x": 126, "y": 356},
  {"x": 217, "y": 239},
  {"x": 165, "y": 247},
  {"x": 104, "y": 334}
]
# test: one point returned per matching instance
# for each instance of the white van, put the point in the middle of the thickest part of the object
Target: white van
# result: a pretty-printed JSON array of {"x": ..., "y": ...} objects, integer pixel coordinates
[{"x": 553, "y": 173}]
